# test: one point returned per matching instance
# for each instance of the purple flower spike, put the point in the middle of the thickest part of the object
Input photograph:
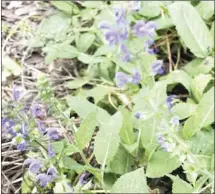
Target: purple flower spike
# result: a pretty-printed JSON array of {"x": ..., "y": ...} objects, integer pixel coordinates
[
  {"x": 38, "y": 110},
  {"x": 44, "y": 179},
  {"x": 169, "y": 101},
  {"x": 136, "y": 78},
  {"x": 135, "y": 5},
  {"x": 142, "y": 29},
  {"x": 16, "y": 92},
  {"x": 139, "y": 115},
  {"x": 126, "y": 57},
  {"x": 52, "y": 172},
  {"x": 112, "y": 37},
  {"x": 157, "y": 67},
  {"x": 34, "y": 165},
  {"x": 120, "y": 15},
  {"x": 122, "y": 79},
  {"x": 51, "y": 153},
  {"x": 21, "y": 146},
  {"x": 52, "y": 133}
]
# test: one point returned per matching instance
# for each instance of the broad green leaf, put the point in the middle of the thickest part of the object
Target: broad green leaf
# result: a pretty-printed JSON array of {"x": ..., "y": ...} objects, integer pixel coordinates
[
  {"x": 203, "y": 116},
  {"x": 93, "y": 4},
  {"x": 105, "y": 15},
  {"x": 198, "y": 66},
  {"x": 89, "y": 59},
  {"x": 86, "y": 130},
  {"x": 70, "y": 149},
  {"x": 205, "y": 9},
  {"x": 121, "y": 162},
  {"x": 198, "y": 85},
  {"x": 126, "y": 132},
  {"x": 66, "y": 6},
  {"x": 107, "y": 139},
  {"x": 109, "y": 180},
  {"x": 161, "y": 163},
  {"x": 179, "y": 109},
  {"x": 194, "y": 33},
  {"x": 163, "y": 22},
  {"x": 150, "y": 8},
  {"x": 131, "y": 148},
  {"x": 77, "y": 83},
  {"x": 77, "y": 103},
  {"x": 85, "y": 41},
  {"x": 59, "y": 50},
  {"x": 132, "y": 182},
  {"x": 180, "y": 186},
  {"x": 178, "y": 76},
  {"x": 58, "y": 146},
  {"x": 202, "y": 143},
  {"x": 103, "y": 50}
]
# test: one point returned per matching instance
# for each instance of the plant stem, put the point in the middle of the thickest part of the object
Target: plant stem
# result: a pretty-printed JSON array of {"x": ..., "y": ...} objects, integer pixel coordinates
[{"x": 169, "y": 53}]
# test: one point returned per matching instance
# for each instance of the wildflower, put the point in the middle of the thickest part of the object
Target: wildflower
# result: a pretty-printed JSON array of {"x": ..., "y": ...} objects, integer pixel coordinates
[
  {"x": 112, "y": 37},
  {"x": 81, "y": 179},
  {"x": 122, "y": 79},
  {"x": 41, "y": 126},
  {"x": 157, "y": 67},
  {"x": 21, "y": 146},
  {"x": 120, "y": 15},
  {"x": 139, "y": 115},
  {"x": 142, "y": 29},
  {"x": 170, "y": 101},
  {"x": 24, "y": 129},
  {"x": 34, "y": 165},
  {"x": 126, "y": 57},
  {"x": 44, "y": 179},
  {"x": 135, "y": 5},
  {"x": 52, "y": 133},
  {"x": 136, "y": 77},
  {"x": 16, "y": 92},
  {"x": 51, "y": 153},
  {"x": 175, "y": 122},
  {"x": 10, "y": 125},
  {"x": 38, "y": 110},
  {"x": 52, "y": 172},
  {"x": 104, "y": 25}
]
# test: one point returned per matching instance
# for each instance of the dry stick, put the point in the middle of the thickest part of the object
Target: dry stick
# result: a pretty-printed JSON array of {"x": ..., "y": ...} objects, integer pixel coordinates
[
  {"x": 8, "y": 181},
  {"x": 178, "y": 57},
  {"x": 169, "y": 53},
  {"x": 16, "y": 181}
]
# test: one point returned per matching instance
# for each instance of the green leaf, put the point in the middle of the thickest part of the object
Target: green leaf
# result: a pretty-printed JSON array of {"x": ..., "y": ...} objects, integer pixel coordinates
[
  {"x": 107, "y": 139},
  {"x": 77, "y": 83},
  {"x": 150, "y": 8},
  {"x": 58, "y": 146},
  {"x": 132, "y": 182},
  {"x": 86, "y": 130},
  {"x": 205, "y": 9},
  {"x": 121, "y": 162},
  {"x": 70, "y": 149},
  {"x": 194, "y": 33},
  {"x": 212, "y": 32},
  {"x": 89, "y": 59},
  {"x": 178, "y": 76},
  {"x": 179, "y": 108},
  {"x": 198, "y": 66},
  {"x": 66, "y": 6},
  {"x": 103, "y": 50},
  {"x": 85, "y": 41},
  {"x": 180, "y": 186},
  {"x": 161, "y": 163},
  {"x": 203, "y": 116},
  {"x": 126, "y": 132},
  {"x": 163, "y": 22},
  {"x": 77, "y": 103},
  {"x": 198, "y": 85},
  {"x": 93, "y": 4},
  {"x": 62, "y": 186}
]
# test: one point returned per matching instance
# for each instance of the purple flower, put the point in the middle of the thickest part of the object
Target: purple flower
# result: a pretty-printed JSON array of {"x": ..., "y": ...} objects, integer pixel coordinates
[
  {"x": 16, "y": 92},
  {"x": 126, "y": 57},
  {"x": 21, "y": 146},
  {"x": 44, "y": 179},
  {"x": 120, "y": 15},
  {"x": 51, "y": 153},
  {"x": 81, "y": 179},
  {"x": 10, "y": 127},
  {"x": 164, "y": 145},
  {"x": 34, "y": 165},
  {"x": 122, "y": 79},
  {"x": 142, "y": 28},
  {"x": 169, "y": 101},
  {"x": 157, "y": 67},
  {"x": 135, "y": 5},
  {"x": 38, "y": 110},
  {"x": 175, "y": 122},
  {"x": 136, "y": 78},
  {"x": 41, "y": 126},
  {"x": 24, "y": 129},
  {"x": 112, "y": 37},
  {"x": 104, "y": 25},
  {"x": 52, "y": 133},
  {"x": 139, "y": 115},
  {"x": 52, "y": 172}
]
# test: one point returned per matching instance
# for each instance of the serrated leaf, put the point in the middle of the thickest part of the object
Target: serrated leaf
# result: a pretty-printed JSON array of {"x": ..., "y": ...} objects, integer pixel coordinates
[
  {"x": 180, "y": 186},
  {"x": 203, "y": 116},
  {"x": 150, "y": 8},
  {"x": 198, "y": 85},
  {"x": 85, "y": 41},
  {"x": 206, "y": 9},
  {"x": 132, "y": 182},
  {"x": 161, "y": 163},
  {"x": 121, "y": 162},
  {"x": 194, "y": 33},
  {"x": 126, "y": 132},
  {"x": 86, "y": 130},
  {"x": 77, "y": 83},
  {"x": 77, "y": 103},
  {"x": 179, "y": 108},
  {"x": 198, "y": 66},
  {"x": 107, "y": 139}
]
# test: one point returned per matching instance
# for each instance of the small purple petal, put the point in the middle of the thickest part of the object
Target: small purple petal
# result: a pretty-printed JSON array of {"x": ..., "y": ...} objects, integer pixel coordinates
[
  {"x": 120, "y": 15},
  {"x": 112, "y": 37},
  {"x": 52, "y": 133},
  {"x": 38, "y": 110},
  {"x": 44, "y": 179},
  {"x": 81, "y": 179},
  {"x": 104, "y": 25},
  {"x": 21, "y": 146},
  {"x": 51, "y": 153},
  {"x": 169, "y": 101},
  {"x": 122, "y": 79},
  {"x": 41, "y": 126},
  {"x": 139, "y": 115},
  {"x": 52, "y": 172},
  {"x": 157, "y": 67},
  {"x": 24, "y": 129},
  {"x": 126, "y": 57},
  {"x": 135, "y": 5},
  {"x": 136, "y": 78},
  {"x": 34, "y": 165},
  {"x": 16, "y": 92}
]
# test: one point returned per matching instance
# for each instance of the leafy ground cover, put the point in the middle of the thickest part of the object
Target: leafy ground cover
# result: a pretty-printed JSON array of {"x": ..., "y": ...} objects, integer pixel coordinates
[{"x": 109, "y": 97}]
